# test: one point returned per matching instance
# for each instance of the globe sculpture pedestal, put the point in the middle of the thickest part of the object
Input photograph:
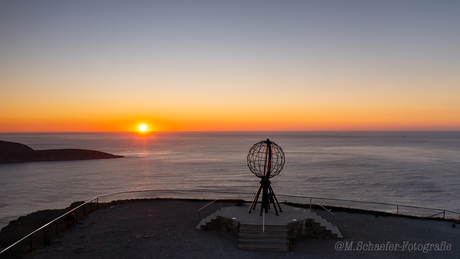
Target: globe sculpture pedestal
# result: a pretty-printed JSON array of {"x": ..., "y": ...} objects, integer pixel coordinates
[{"x": 265, "y": 160}]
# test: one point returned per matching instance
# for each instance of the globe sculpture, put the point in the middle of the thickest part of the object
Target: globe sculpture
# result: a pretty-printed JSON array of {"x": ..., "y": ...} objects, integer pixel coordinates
[{"x": 265, "y": 160}]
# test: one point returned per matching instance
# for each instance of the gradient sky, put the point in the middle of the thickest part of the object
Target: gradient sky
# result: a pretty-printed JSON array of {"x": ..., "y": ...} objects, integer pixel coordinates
[{"x": 229, "y": 65}]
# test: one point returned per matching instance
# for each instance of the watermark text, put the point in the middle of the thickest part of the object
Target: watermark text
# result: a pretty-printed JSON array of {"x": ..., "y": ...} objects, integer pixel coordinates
[{"x": 390, "y": 246}]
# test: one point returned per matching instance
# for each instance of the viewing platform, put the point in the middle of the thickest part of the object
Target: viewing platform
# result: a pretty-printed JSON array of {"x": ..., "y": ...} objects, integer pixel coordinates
[
  {"x": 138, "y": 224},
  {"x": 269, "y": 232}
]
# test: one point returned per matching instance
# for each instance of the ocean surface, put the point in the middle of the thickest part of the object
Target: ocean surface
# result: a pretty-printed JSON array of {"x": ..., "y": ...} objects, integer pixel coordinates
[{"x": 410, "y": 168}]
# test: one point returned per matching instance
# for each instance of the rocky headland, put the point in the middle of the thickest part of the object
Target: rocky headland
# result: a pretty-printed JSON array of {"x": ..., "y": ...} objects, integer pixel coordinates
[{"x": 12, "y": 152}]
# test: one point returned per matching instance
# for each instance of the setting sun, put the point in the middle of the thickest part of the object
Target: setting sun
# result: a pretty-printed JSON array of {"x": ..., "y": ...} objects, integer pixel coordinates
[{"x": 143, "y": 127}]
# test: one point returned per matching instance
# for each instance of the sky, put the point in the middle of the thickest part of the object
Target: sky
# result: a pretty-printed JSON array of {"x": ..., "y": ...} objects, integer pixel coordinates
[{"x": 229, "y": 65}]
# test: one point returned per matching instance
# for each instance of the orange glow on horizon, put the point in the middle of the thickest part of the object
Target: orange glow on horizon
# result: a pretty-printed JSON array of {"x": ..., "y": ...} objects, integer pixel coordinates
[
  {"x": 303, "y": 119},
  {"x": 313, "y": 123}
]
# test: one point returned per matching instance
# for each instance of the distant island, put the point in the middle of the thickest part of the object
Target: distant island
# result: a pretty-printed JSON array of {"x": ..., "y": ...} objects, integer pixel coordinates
[{"x": 12, "y": 152}]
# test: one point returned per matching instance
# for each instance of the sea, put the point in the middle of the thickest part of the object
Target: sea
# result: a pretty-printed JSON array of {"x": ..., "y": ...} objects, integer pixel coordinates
[{"x": 418, "y": 168}]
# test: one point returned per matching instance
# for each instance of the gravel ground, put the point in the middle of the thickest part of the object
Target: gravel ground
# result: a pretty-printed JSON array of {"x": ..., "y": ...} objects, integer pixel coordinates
[{"x": 166, "y": 229}]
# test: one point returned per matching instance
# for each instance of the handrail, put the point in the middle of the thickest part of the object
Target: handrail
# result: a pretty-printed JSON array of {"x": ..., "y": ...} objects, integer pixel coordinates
[
  {"x": 208, "y": 204},
  {"x": 325, "y": 209},
  {"x": 204, "y": 191},
  {"x": 284, "y": 195},
  {"x": 443, "y": 212},
  {"x": 49, "y": 223},
  {"x": 370, "y": 202}
]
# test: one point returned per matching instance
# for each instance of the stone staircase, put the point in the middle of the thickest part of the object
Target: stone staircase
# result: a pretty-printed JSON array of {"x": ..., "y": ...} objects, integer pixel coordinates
[
  {"x": 208, "y": 220},
  {"x": 274, "y": 238},
  {"x": 335, "y": 232}
]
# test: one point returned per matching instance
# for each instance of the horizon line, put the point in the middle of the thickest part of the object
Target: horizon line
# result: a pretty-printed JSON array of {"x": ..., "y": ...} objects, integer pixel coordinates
[{"x": 210, "y": 131}]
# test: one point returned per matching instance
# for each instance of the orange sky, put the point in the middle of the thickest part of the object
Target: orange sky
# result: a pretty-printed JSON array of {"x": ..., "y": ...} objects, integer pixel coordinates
[{"x": 303, "y": 66}]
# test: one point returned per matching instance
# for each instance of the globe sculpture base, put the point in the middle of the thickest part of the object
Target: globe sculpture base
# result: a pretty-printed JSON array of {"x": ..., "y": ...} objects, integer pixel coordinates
[{"x": 268, "y": 196}]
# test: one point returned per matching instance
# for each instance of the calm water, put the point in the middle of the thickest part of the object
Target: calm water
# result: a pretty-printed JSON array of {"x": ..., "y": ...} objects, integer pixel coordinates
[{"x": 422, "y": 168}]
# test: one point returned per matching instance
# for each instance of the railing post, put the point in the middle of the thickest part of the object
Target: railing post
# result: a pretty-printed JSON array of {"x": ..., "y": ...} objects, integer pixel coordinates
[
  {"x": 397, "y": 209},
  {"x": 310, "y": 205},
  {"x": 444, "y": 214}
]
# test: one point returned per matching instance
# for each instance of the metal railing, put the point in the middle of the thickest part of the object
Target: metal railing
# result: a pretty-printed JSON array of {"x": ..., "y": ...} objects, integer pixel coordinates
[
  {"x": 391, "y": 208},
  {"x": 55, "y": 221},
  {"x": 328, "y": 210},
  {"x": 397, "y": 209},
  {"x": 205, "y": 206}
]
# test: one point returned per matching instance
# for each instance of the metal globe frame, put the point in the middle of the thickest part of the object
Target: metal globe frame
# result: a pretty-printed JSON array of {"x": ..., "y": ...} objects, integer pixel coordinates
[{"x": 265, "y": 160}]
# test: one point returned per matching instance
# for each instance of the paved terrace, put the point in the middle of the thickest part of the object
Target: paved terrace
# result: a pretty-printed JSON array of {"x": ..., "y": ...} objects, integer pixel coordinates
[{"x": 166, "y": 229}]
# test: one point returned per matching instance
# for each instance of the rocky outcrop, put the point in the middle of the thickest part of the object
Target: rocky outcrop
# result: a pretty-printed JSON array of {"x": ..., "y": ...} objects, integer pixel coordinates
[{"x": 11, "y": 152}]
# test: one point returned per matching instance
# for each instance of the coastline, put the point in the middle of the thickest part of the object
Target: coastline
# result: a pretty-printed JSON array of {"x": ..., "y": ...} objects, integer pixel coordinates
[
  {"x": 13, "y": 152},
  {"x": 154, "y": 225}
]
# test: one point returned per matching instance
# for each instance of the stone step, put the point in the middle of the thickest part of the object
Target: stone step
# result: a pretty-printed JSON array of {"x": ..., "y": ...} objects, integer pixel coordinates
[
  {"x": 274, "y": 238},
  {"x": 259, "y": 242},
  {"x": 265, "y": 236},
  {"x": 203, "y": 222},
  {"x": 257, "y": 226},
  {"x": 208, "y": 219},
  {"x": 281, "y": 247},
  {"x": 254, "y": 226},
  {"x": 327, "y": 225},
  {"x": 336, "y": 232},
  {"x": 268, "y": 229},
  {"x": 265, "y": 247}
]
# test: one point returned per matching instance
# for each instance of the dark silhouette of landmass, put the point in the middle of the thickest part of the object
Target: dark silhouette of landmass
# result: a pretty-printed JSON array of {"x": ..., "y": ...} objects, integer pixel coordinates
[{"x": 11, "y": 152}]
